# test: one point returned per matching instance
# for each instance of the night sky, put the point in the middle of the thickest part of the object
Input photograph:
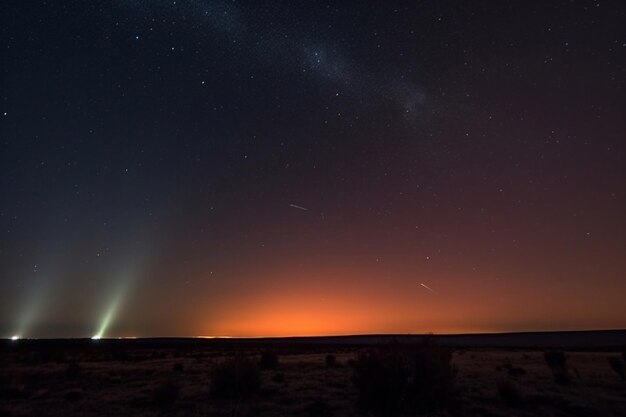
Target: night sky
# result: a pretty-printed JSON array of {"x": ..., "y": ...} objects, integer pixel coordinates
[{"x": 248, "y": 168}]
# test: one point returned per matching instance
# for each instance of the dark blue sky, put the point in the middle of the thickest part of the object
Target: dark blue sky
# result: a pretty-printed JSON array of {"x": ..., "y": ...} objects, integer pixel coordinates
[{"x": 152, "y": 153}]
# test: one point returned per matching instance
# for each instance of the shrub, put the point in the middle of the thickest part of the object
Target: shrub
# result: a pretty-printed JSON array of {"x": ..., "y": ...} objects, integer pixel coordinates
[
  {"x": 235, "y": 378},
  {"x": 12, "y": 387},
  {"x": 516, "y": 371},
  {"x": 279, "y": 377},
  {"x": 268, "y": 360},
  {"x": 178, "y": 367},
  {"x": 318, "y": 408},
  {"x": 394, "y": 379},
  {"x": 120, "y": 355},
  {"x": 510, "y": 393},
  {"x": 331, "y": 361},
  {"x": 166, "y": 395},
  {"x": 74, "y": 394},
  {"x": 618, "y": 366},
  {"x": 73, "y": 371},
  {"x": 557, "y": 361},
  {"x": 561, "y": 376},
  {"x": 158, "y": 355}
]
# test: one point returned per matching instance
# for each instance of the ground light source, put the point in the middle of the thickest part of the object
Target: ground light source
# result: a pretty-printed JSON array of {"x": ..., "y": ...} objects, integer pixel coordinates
[
  {"x": 108, "y": 317},
  {"x": 15, "y": 337}
]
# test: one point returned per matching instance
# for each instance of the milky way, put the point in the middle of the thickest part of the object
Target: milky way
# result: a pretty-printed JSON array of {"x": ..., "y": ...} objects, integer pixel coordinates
[{"x": 273, "y": 37}]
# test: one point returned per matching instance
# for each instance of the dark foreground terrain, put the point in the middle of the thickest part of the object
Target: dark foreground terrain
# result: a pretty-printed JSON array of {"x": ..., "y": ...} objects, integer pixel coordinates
[{"x": 316, "y": 377}]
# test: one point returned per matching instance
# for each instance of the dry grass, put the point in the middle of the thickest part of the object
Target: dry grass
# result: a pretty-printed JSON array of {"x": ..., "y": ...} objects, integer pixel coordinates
[
  {"x": 235, "y": 378},
  {"x": 394, "y": 379},
  {"x": 302, "y": 385}
]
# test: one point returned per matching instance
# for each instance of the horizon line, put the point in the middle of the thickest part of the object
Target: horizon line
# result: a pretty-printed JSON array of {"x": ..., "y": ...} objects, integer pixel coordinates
[{"x": 225, "y": 337}]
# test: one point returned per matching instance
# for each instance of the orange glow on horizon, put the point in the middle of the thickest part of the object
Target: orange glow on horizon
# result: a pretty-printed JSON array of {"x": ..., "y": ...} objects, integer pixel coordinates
[{"x": 328, "y": 306}]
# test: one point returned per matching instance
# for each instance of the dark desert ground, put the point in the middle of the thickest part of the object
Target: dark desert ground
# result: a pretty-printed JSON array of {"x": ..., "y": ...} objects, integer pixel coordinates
[{"x": 312, "y": 376}]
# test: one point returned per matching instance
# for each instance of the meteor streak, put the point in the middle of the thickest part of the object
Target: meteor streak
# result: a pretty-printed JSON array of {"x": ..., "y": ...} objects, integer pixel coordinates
[
  {"x": 298, "y": 207},
  {"x": 428, "y": 288}
]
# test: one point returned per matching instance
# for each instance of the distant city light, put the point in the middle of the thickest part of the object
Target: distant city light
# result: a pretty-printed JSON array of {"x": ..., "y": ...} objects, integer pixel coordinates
[
  {"x": 96, "y": 337},
  {"x": 213, "y": 337},
  {"x": 15, "y": 337}
]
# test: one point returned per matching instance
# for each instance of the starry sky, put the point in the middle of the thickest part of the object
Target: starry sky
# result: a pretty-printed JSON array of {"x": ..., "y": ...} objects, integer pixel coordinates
[{"x": 248, "y": 168}]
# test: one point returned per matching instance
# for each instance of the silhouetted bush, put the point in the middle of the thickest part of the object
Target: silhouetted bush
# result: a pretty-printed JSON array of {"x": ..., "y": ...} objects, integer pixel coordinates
[
  {"x": 74, "y": 394},
  {"x": 318, "y": 408},
  {"x": 178, "y": 367},
  {"x": 166, "y": 395},
  {"x": 331, "y": 361},
  {"x": 12, "y": 387},
  {"x": 268, "y": 360},
  {"x": 279, "y": 377},
  {"x": 516, "y": 371},
  {"x": 510, "y": 393},
  {"x": 235, "y": 378},
  {"x": 403, "y": 378},
  {"x": 562, "y": 376},
  {"x": 618, "y": 366},
  {"x": 557, "y": 361},
  {"x": 157, "y": 354},
  {"x": 36, "y": 358},
  {"x": 120, "y": 355},
  {"x": 73, "y": 371}
]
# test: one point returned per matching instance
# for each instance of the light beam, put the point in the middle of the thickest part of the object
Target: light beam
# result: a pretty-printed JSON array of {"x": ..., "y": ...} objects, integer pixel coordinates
[{"x": 110, "y": 313}]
